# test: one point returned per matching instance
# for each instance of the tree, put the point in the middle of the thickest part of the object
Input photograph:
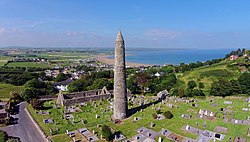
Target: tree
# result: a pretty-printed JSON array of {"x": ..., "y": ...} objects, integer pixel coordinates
[
  {"x": 196, "y": 92},
  {"x": 201, "y": 85},
  {"x": 133, "y": 86},
  {"x": 168, "y": 114},
  {"x": 168, "y": 69},
  {"x": 191, "y": 84},
  {"x": 221, "y": 88},
  {"x": 154, "y": 115},
  {"x": 15, "y": 96},
  {"x": 181, "y": 92},
  {"x": 29, "y": 93},
  {"x": 167, "y": 82},
  {"x": 3, "y": 136},
  {"x": 61, "y": 77},
  {"x": 34, "y": 83},
  {"x": 175, "y": 92},
  {"x": 244, "y": 81},
  {"x": 100, "y": 83},
  {"x": 79, "y": 85},
  {"x": 235, "y": 87},
  {"x": 142, "y": 79},
  {"x": 106, "y": 132},
  {"x": 188, "y": 93}
]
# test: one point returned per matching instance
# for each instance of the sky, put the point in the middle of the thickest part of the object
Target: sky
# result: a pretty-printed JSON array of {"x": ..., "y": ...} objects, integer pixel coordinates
[{"x": 144, "y": 23}]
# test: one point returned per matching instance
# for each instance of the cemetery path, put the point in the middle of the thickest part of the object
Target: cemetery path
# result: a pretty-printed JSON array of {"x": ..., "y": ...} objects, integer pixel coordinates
[{"x": 25, "y": 129}]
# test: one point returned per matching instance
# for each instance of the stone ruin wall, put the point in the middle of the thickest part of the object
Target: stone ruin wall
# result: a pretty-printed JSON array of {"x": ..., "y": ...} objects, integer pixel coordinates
[
  {"x": 69, "y": 102},
  {"x": 83, "y": 94}
]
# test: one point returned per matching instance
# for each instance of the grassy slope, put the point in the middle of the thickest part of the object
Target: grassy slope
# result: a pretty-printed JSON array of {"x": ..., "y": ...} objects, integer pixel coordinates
[
  {"x": 5, "y": 89},
  {"x": 196, "y": 75}
]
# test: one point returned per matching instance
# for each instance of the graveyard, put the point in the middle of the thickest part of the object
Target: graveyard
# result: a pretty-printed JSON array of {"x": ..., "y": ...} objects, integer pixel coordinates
[{"x": 226, "y": 119}]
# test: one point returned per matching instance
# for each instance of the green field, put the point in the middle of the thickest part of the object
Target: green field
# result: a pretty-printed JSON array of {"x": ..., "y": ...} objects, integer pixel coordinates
[
  {"x": 2, "y": 63},
  {"x": 64, "y": 55},
  {"x": 5, "y": 89},
  {"x": 29, "y": 64},
  {"x": 128, "y": 126}
]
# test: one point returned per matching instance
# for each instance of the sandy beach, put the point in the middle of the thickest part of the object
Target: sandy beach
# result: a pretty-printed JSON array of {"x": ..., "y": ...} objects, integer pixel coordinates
[{"x": 106, "y": 60}]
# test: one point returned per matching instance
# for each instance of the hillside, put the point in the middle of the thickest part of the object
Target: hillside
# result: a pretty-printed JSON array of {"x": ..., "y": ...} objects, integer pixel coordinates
[{"x": 207, "y": 74}]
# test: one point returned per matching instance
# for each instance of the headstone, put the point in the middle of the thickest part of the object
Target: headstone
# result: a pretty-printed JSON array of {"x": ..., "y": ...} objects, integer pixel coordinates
[
  {"x": 50, "y": 130},
  {"x": 159, "y": 140},
  {"x": 151, "y": 124}
]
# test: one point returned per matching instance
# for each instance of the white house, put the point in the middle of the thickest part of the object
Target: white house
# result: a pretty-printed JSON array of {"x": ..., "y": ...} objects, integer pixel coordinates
[{"x": 63, "y": 85}]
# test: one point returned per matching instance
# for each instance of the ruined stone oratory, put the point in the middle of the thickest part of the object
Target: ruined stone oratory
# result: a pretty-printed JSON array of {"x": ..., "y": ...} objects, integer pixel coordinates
[{"x": 120, "y": 89}]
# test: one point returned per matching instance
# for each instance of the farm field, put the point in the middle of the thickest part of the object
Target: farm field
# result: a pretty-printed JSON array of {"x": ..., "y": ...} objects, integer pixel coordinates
[
  {"x": 29, "y": 64},
  {"x": 128, "y": 127}
]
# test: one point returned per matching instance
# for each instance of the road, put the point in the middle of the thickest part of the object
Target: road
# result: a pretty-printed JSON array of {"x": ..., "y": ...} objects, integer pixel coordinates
[{"x": 25, "y": 129}]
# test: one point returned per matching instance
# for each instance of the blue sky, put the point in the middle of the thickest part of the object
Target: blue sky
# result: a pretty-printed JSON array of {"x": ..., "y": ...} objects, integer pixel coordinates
[{"x": 144, "y": 23}]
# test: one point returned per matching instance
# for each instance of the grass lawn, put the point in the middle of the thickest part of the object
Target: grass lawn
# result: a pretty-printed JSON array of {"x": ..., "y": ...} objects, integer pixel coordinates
[
  {"x": 2, "y": 63},
  {"x": 128, "y": 126},
  {"x": 29, "y": 64},
  {"x": 60, "y": 138},
  {"x": 5, "y": 89}
]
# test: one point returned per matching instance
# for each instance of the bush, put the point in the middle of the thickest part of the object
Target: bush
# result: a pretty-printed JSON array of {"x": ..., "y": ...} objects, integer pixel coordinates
[
  {"x": 154, "y": 115},
  {"x": 3, "y": 136},
  {"x": 36, "y": 103},
  {"x": 158, "y": 111},
  {"x": 168, "y": 114},
  {"x": 106, "y": 132}
]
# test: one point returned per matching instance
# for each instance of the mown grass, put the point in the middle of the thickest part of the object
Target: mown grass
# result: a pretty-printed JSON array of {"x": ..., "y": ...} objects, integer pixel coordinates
[
  {"x": 61, "y": 138},
  {"x": 5, "y": 89},
  {"x": 129, "y": 127}
]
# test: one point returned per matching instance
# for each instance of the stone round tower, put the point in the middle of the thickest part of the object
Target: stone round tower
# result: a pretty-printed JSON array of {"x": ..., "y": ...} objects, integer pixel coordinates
[{"x": 120, "y": 89}]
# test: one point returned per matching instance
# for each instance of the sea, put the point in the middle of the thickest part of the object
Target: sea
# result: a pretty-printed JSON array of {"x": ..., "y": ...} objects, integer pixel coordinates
[{"x": 173, "y": 56}]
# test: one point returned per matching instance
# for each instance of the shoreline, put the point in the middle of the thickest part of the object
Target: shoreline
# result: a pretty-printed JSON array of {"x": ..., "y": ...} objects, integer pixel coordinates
[{"x": 106, "y": 60}]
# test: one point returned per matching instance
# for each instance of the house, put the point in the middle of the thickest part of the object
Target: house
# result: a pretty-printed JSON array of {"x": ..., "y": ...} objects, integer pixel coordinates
[
  {"x": 63, "y": 85},
  {"x": 233, "y": 57},
  {"x": 157, "y": 74}
]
